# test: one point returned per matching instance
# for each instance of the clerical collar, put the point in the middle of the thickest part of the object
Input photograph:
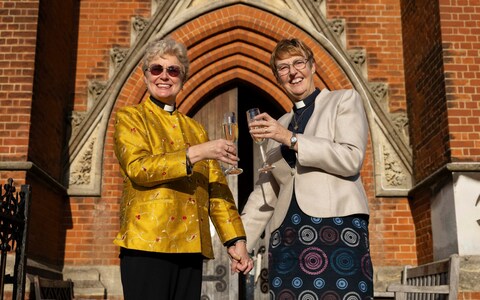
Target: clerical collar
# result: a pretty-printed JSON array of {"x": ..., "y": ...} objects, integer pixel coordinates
[
  {"x": 300, "y": 104},
  {"x": 307, "y": 101},
  {"x": 164, "y": 106}
]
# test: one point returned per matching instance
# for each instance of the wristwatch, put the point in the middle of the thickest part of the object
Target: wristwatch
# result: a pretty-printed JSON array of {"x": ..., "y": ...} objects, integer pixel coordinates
[{"x": 293, "y": 140}]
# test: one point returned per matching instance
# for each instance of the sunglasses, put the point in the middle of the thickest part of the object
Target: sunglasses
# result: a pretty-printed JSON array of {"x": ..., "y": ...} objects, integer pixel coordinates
[{"x": 172, "y": 71}]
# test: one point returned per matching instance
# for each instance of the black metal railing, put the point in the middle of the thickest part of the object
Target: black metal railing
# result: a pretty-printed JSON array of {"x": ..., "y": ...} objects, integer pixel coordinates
[{"x": 14, "y": 211}]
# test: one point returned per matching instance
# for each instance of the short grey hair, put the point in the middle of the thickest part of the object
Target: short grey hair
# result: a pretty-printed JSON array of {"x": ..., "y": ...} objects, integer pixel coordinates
[{"x": 161, "y": 46}]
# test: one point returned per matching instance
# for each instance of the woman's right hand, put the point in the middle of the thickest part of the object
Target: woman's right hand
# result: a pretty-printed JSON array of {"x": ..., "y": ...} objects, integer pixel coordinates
[
  {"x": 240, "y": 260},
  {"x": 221, "y": 150},
  {"x": 267, "y": 127}
]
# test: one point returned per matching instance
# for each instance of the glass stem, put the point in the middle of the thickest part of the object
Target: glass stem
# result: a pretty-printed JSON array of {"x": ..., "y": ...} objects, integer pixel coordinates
[{"x": 262, "y": 152}]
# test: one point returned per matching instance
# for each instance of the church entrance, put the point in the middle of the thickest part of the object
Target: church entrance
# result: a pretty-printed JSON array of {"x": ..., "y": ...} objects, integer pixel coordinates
[{"x": 218, "y": 283}]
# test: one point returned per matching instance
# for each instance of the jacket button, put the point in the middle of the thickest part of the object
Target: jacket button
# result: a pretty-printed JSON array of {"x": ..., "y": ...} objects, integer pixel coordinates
[{"x": 292, "y": 171}]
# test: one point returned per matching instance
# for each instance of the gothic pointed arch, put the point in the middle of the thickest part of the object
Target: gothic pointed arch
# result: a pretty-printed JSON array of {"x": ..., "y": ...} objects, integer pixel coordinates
[{"x": 227, "y": 41}]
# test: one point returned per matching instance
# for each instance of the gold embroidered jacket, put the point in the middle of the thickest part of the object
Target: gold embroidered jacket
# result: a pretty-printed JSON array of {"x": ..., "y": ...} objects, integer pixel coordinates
[{"x": 163, "y": 209}]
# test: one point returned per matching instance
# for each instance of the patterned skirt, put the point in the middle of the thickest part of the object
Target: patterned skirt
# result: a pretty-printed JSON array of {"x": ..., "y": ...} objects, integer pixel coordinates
[{"x": 320, "y": 258}]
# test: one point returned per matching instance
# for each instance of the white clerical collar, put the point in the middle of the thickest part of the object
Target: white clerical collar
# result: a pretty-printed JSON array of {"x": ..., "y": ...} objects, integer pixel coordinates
[
  {"x": 169, "y": 108},
  {"x": 299, "y": 104}
]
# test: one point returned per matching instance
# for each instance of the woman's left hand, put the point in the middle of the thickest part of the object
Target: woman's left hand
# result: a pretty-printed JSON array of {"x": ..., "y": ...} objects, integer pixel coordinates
[{"x": 241, "y": 261}]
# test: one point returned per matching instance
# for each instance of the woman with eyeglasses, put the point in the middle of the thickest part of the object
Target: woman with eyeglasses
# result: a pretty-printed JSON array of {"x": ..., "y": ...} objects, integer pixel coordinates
[
  {"x": 173, "y": 186},
  {"x": 317, "y": 212}
]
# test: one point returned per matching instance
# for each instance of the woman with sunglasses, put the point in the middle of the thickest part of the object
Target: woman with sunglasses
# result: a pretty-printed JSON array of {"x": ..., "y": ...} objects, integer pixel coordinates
[
  {"x": 173, "y": 186},
  {"x": 317, "y": 221}
]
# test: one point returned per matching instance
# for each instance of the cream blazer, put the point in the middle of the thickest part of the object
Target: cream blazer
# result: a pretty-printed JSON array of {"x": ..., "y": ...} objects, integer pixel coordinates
[{"x": 326, "y": 177}]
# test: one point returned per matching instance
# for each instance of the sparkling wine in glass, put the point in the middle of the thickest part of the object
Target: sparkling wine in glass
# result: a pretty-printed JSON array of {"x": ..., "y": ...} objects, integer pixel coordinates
[
  {"x": 251, "y": 114},
  {"x": 230, "y": 132}
]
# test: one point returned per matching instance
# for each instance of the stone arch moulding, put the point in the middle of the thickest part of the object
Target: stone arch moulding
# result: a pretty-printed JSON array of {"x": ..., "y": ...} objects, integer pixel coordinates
[{"x": 235, "y": 46}]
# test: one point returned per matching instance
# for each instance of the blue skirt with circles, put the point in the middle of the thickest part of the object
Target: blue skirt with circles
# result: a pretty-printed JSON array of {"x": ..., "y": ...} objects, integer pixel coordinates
[{"x": 320, "y": 258}]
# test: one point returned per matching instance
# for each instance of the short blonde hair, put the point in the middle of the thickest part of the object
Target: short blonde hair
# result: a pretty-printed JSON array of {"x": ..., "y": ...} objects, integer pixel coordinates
[{"x": 289, "y": 47}]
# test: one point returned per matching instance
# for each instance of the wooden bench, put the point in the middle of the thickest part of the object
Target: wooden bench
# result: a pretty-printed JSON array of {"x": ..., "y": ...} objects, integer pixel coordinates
[
  {"x": 52, "y": 288},
  {"x": 436, "y": 280}
]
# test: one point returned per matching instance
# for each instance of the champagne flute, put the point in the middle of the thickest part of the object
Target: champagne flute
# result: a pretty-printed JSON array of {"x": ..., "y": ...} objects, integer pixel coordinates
[
  {"x": 230, "y": 131},
  {"x": 251, "y": 114}
]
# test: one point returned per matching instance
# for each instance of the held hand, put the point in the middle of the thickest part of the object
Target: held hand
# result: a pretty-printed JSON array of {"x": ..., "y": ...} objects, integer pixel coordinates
[
  {"x": 221, "y": 150},
  {"x": 267, "y": 127},
  {"x": 241, "y": 261}
]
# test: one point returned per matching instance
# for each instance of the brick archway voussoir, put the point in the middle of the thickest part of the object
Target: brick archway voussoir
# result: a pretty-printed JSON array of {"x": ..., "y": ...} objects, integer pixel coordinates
[
  {"x": 203, "y": 89},
  {"x": 214, "y": 50},
  {"x": 237, "y": 16},
  {"x": 219, "y": 37},
  {"x": 251, "y": 32}
]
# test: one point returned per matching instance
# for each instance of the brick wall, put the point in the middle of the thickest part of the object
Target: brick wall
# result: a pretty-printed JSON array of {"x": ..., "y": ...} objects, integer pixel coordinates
[
  {"x": 37, "y": 52},
  {"x": 90, "y": 222},
  {"x": 425, "y": 87},
  {"x": 441, "y": 42},
  {"x": 420, "y": 210},
  {"x": 52, "y": 98},
  {"x": 103, "y": 24},
  {"x": 18, "y": 32},
  {"x": 48, "y": 209},
  {"x": 51, "y": 50},
  {"x": 376, "y": 27},
  {"x": 460, "y": 36},
  {"x": 427, "y": 112},
  {"x": 443, "y": 110},
  {"x": 391, "y": 223}
]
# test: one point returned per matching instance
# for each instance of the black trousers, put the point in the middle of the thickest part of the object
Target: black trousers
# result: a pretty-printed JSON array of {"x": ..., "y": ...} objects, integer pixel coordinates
[{"x": 160, "y": 276}]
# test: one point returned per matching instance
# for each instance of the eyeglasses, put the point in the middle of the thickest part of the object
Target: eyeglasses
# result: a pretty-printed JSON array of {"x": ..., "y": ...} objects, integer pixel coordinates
[
  {"x": 172, "y": 71},
  {"x": 299, "y": 64}
]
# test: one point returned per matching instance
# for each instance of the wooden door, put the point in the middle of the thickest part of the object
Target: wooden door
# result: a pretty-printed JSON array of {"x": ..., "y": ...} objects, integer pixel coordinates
[{"x": 218, "y": 283}]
